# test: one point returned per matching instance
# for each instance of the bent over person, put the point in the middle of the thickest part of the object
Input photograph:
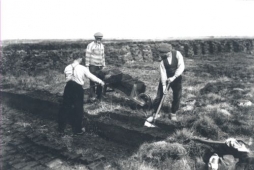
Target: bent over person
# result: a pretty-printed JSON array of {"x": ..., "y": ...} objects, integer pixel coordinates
[
  {"x": 171, "y": 69},
  {"x": 95, "y": 60},
  {"x": 73, "y": 97}
]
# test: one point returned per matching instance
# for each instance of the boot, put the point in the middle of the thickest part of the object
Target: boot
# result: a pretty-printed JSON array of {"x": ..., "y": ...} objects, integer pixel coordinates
[{"x": 173, "y": 117}]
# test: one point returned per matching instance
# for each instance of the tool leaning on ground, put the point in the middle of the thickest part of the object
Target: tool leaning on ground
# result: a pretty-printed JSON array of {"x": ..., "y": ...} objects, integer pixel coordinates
[
  {"x": 150, "y": 122},
  {"x": 239, "y": 151}
]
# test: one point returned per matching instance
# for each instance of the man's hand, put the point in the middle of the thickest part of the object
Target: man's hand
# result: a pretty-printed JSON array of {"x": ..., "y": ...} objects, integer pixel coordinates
[
  {"x": 102, "y": 83},
  {"x": 165, "y": 91},
  {"x": 107, "y": 76},
  {"x": 171, "y": 79}
]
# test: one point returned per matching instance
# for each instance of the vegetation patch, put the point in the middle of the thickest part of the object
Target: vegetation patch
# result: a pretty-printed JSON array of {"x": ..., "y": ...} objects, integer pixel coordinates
[
  {"x": 215, "y": 82},
  {"x": 158, "y": 155}
]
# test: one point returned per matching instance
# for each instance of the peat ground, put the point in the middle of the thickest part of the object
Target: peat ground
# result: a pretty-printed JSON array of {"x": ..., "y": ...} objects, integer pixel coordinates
[{"x": 217, "y": 104}]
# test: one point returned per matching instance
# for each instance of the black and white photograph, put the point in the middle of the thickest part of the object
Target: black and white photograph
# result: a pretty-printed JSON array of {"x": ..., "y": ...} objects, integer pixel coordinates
[{"x": 126, "y": 85}]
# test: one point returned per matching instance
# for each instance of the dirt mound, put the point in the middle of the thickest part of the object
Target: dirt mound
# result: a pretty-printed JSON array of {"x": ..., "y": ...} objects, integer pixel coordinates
[
  {"x": 219, "y": 87},
  {"x": 164, "y": 155}
]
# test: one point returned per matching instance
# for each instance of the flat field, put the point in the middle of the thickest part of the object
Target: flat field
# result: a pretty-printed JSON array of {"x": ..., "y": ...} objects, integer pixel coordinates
[{"x": 217, "y": 103}]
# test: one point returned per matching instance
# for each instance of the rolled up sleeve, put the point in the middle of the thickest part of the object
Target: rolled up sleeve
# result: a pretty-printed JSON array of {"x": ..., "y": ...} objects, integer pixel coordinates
[
  {"x": 180, "y": 66},
  {"x": 103, "y": 57},
  {"x": 163, "y": 74},
  {"x": 92, "y": 77},
  {"x": 88, "y": 54}
]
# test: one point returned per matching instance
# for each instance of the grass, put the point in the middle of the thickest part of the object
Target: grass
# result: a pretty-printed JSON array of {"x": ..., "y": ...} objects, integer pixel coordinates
[
  {"x": 180, "y": 136},
  {"x": 158, "y": 155},
  {"x": 212, "y": 86}
]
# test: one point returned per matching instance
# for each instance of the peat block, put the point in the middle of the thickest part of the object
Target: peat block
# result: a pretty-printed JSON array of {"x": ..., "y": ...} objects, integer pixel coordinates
[
  {"x": 123, "y": 82},
  {"x": 127, "y": 84},
  {"x": 111, "y": 76}
]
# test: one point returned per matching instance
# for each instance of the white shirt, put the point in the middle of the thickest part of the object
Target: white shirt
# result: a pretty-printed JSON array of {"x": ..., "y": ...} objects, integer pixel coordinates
[
  {"x": 179, "y": 70},
  {"x": 79, "y": 74}
]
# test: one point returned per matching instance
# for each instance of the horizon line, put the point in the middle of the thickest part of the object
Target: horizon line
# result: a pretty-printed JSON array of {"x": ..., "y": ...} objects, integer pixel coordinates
[{"x": 135, "y": 39}]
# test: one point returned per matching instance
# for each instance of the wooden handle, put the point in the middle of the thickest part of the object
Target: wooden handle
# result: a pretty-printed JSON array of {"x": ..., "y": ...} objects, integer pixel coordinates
[{"x": 159, "y": 108}]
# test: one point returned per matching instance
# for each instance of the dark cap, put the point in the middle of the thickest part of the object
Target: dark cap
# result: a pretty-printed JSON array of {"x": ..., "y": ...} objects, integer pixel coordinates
[
  {"x": 98, "y": 34},
  {"x": 164, "y": 47}
]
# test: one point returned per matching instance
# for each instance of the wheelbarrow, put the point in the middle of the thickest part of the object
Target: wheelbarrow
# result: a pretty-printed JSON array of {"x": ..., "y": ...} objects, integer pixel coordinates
[
  {"x": 132, "y": 88},
  {"x": 142, "y": 100}
]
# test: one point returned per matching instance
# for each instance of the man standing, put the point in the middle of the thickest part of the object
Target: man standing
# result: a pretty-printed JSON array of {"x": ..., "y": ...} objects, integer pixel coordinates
[
  {"x": 73, "y": 97},
  {"x": 95, "y": 60},
  {"x": 171, "y": 68}
]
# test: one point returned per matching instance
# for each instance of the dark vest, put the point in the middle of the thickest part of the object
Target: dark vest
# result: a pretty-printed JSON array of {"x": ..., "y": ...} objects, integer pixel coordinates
[{"x": 171, "y": 69}]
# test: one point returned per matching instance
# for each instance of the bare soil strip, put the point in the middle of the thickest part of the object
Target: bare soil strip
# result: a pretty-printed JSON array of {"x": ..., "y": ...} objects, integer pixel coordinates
[{"x": 30, "y": 141}]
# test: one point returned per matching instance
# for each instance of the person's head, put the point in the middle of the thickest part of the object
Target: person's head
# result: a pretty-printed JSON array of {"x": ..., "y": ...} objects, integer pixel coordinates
[
  {"x": 164, "y": 49},
  {"x": 76, "y": 56},
  {"x": 98, "y": 36}
]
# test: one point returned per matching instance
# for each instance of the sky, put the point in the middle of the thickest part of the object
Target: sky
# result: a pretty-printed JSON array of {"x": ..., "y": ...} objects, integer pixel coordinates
[{"x": 125, "y": 19}]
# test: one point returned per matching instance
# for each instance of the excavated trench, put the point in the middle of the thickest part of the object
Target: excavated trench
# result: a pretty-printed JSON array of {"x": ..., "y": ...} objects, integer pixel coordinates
[
  {"x": 117, "y": 130},
  {"x": 117, "y": 126},
  {"x": 120, "y": 129}
]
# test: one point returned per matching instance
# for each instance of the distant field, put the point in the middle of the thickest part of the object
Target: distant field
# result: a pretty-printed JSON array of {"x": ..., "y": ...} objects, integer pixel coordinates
[{"x": 217, "y": 100}]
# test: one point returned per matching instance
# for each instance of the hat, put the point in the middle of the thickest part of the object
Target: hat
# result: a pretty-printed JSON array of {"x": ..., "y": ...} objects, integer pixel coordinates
[
  {"x": 98, "y": 34},
  {"x": 164, "y": 47}
]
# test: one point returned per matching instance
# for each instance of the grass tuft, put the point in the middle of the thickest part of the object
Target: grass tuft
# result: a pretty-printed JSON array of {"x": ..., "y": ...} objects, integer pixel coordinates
[
  {"x": 180, "y": 136},
  {"x": 206, "y": 127},
  {"x": 158, "y": 155},
  {"x": 160, "y": 151}
]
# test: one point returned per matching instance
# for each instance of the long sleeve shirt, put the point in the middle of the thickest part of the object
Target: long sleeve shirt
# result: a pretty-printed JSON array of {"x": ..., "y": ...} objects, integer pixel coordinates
[
  {"x": 179, "y": 70},
  {"x": 95, "y": 54},
  {"x": 78, "y": 73}
]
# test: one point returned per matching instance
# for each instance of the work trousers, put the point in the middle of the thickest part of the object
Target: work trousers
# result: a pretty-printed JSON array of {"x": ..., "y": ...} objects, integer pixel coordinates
[
  {"x": 95, "y": 88},
  {"x": 176, "y": 87},
  {"x": 71, "y": 109}
]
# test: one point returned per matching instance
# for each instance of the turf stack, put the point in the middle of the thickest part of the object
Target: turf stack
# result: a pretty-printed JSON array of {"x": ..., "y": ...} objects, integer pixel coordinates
[
  {"x": 179, "y": 47},
  {"x": 147, "y": 53},
  {"x": 188, "y": 49},
  {"x": 124, "y": 53},
  {"x": 230, "y": 47},
  {"x": 197, "y": 48},
  {"x": 205, "y": 47},
  {"x": 214, "y": 47},
  {"x": 136, "y": 52}
]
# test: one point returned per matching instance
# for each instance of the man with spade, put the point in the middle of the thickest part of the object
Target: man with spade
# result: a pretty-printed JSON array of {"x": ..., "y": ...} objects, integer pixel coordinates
[{"x": 171, "y": 69}]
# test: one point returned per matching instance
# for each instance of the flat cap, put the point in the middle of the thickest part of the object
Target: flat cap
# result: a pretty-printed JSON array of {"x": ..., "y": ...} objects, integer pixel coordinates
[
  {"x": 98, "y": 34},
  {"x": 164, "y": 47}
]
